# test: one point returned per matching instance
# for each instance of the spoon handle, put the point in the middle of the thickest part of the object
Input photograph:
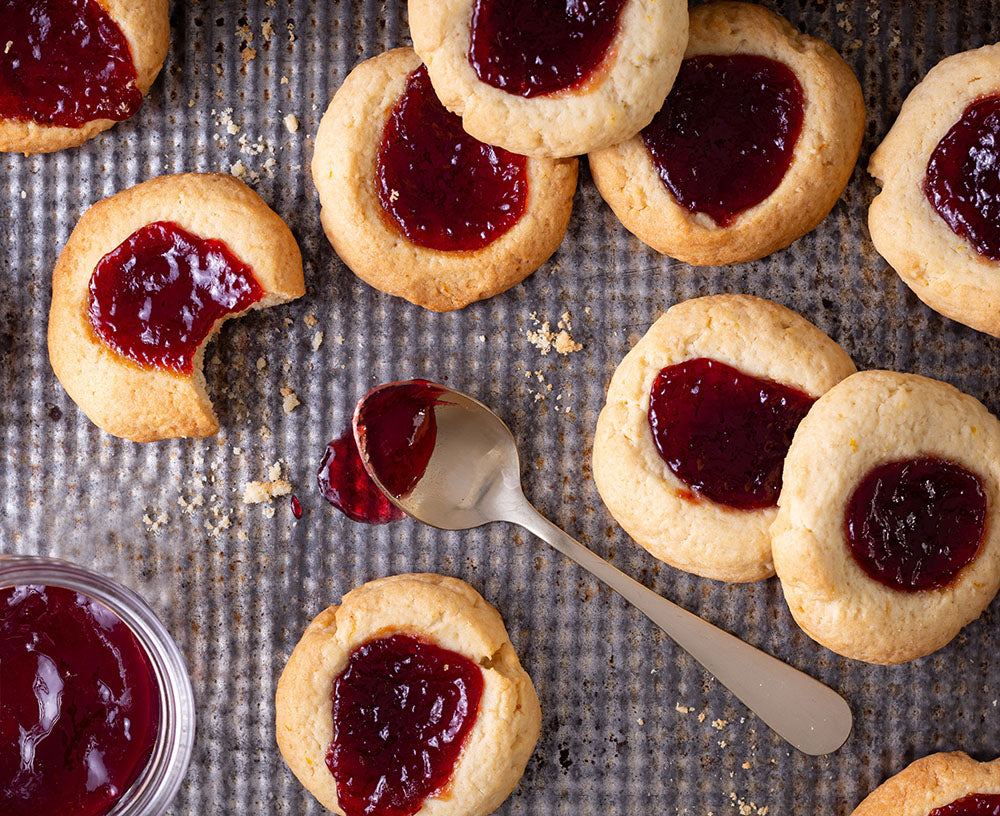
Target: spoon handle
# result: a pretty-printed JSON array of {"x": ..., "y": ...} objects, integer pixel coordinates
[{"x": 806, "y": 713}]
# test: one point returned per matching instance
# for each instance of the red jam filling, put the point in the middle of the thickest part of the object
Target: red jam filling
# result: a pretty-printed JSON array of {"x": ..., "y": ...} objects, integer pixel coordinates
[
  {"x": 916, "y": 523},
  {"x": 65, "y": 63},
  {"x": 345, "y": 483},
  {"x": 976, "y": 804},
  {"x": 537, "y": 47},
  {"x": 79, "y": 707},
  {"x": 402, "y": 710},
  {"x": 156, "y": 297},
  {"x": 397, "y": 429},
  {"x": 726, "y": 134},
  {"x": 963, "y": 177},
  {"x": 724, "y": 433},
  {"x": 440, "y": 187}
]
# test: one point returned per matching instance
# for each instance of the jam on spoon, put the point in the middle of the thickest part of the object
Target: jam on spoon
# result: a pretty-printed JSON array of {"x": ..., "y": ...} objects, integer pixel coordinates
[
  {"x": 79, "y": 709},
  {"x": 975, "y": 804},
  {"x": 724, "y": 433},
  {"x": 914, "y": 524},
  {"x": 402, "y": 711},
  {"x": 538, "y": 47},
  {"x": 437, "y": 185},
  {"x": 157, "y": 296},
  {"x": 963, "y": 177},
  {"x": 64, "y": 63},
  {"x": 398, "y": 432},
  {"x": 726, "y": 134}
]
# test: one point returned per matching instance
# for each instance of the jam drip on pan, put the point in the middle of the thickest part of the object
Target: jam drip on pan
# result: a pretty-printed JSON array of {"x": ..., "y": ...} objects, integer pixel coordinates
[
  {"x": 157, "y": 296},
  {"x": 537, "y": 47},
  {"x": 398, "y": 431},
  {"x": 963, "y": 177},
  {"x": 726, "y": 134},
  {"x": 440, "y": 187},
  {"x": 914, "y": 524},
  {"x": 64, "y": 63},
  {"x": 724, "y": 433},
  {"x": 79, "y": 707},
  {"x": 402, "y": 710}
]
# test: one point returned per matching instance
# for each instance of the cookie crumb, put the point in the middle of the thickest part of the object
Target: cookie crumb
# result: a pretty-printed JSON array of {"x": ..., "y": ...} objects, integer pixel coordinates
[
  {"x": 310, "y": 320},
  {"x": 290, "y": 402},
  {"x": 544, "y": 339},
  {"x": 682, "y": 709},
  {"x": 718, "y": 725},
  {"x": 257, "y": 492},
  {"x": 317, "y": 341},
  {"x": 291, "y": 123},
  {"x": 9, "y": 45},
  {"x": 155, "y": 522}
]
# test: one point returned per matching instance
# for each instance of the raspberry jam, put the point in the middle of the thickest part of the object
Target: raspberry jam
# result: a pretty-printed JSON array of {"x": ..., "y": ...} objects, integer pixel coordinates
[
  {"x": 397, "y": 428},
  {"x": 975, "y": 804},
  {"x": 724, "y": 433},
  {"x": 345, "y": 483},
  {"x": 156, "y": 297},
  {"x": 537, "y": 47},
  {"x": 79, "y": 708},
  {"x": 65, "y": 63},
  {"x": 963, "y": 177},
  {"x": 726, "y": 134},
  {"x": 440, "y": 187},
  {"x": 402, "y": 710},
  {"x": 914, "y": 524}
]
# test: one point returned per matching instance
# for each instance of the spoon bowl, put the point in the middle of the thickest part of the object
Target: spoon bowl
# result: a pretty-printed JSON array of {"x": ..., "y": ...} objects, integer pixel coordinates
[
  {"x": 471, "y": 476},
  {"x": 472, "y": 469}
]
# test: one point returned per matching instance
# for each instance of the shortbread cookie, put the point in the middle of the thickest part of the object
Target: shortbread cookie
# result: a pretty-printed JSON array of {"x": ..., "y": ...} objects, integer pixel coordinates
[
  {"x": 70, "y": 69},
  {"x": 937, "y": 219},
  {"x": 461, "y": 737},
  {"x": 144, "y": 283},
  {"x": 887, "y": 540},
  {"x": 418, "y": 208},
  {"x": 938, "y": 785},
  {"x": 689, "y": 446},
  {"x": 542, "y": 79},
  {"x": 750, "y": 151}
]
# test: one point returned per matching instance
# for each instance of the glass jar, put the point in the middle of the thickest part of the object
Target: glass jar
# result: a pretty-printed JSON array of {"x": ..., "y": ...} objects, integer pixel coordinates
[{"x": 158, "y": 783}]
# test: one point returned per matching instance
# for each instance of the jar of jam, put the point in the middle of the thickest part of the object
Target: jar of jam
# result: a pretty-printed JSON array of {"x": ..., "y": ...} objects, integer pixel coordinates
[{"x": 97, "y": 713}]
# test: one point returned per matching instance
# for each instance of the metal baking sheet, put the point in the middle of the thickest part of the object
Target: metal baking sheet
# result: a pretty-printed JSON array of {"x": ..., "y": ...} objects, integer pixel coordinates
[{"x": 631, "y": 724}]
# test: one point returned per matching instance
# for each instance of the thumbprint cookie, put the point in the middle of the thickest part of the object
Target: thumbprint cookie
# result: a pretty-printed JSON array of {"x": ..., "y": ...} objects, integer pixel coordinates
[
  {"x": 937, "y": 218},
  {"x": 548, "y": 77},
  {"x": 418, "y": 208},
  {"x": 938, "y": 785},
  {"x": 144, "y": 283},
  {"x": 887, "y": 539},
  {"x": 690, "y": 443},
  {"x": 407, "y": 698},
  {"x": 70, "y": 69},
  {"x": 751, "y": 149}
]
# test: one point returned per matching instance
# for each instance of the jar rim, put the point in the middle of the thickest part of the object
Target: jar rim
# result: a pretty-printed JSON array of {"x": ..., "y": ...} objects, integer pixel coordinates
[{"x": 158, "y": 783}]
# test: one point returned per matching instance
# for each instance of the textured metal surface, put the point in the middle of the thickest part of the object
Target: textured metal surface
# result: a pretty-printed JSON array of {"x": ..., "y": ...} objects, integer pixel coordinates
[{"x": 623, "y": 728}]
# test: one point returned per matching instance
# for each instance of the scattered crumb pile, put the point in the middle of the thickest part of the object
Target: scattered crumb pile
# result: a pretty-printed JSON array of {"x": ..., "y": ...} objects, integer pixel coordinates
[{"x": 544, "y": 339}]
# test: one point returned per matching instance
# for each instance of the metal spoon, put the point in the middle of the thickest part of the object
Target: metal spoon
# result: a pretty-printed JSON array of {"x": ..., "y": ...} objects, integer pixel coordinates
[{"x": 473, "y": 477}]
